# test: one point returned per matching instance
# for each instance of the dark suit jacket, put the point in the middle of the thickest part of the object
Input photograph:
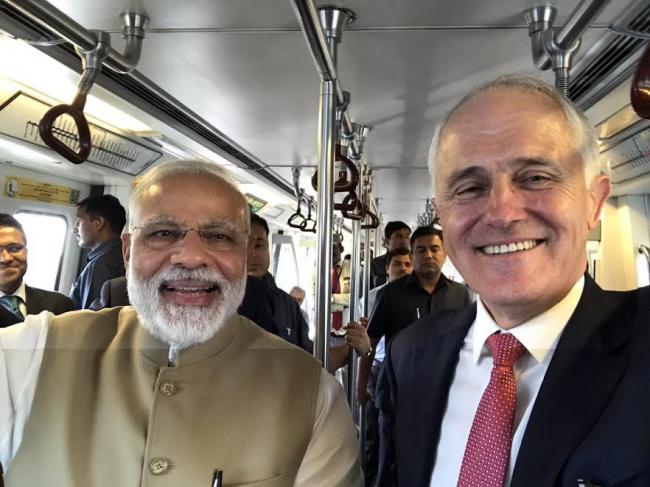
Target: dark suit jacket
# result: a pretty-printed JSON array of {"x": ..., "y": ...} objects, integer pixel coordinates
[
  {"x": 591, "y": 418},
  {"x": 113, "y": 293},
  {"x": 256, "y": 305},
  {"x": 38, "y": 300}
]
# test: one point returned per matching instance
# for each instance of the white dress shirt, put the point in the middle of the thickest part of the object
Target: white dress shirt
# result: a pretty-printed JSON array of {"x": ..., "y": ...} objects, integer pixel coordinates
[
  {"x": 20, "y": 292},
  {"x": 539, "y": 336},
  {"x": 21, "y": 353}
]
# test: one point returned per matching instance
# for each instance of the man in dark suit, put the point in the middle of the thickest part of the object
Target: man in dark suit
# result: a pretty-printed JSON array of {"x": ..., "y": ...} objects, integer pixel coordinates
[
  {"x": 16, "y": 298},
  {"x": 544, "y": 381}
]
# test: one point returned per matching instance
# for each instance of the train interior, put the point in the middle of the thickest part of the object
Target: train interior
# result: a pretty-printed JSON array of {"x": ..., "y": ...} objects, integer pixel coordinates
[{"x": 236, "y": 83}]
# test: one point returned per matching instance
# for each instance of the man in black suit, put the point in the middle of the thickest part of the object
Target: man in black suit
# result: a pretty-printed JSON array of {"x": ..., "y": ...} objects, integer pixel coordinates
[
  {"x": 16, "y": 298},
  {"x": 565, "y": 400}
]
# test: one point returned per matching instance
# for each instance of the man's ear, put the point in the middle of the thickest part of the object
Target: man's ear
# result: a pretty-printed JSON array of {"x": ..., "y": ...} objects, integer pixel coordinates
[
  {"x": 126, "y": 248},
  {"x": 599, "y": 191},
  {"x": 99, "y": 223}
]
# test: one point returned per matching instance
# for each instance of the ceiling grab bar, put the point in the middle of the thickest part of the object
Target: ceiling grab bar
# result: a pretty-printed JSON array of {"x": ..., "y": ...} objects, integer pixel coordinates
[
  {"x": 309, "y": 225},
  {"x": 342, "y": 184},
  {"x": 92, "y": 64},
  {"x": 640, "y": 89},
  {"x": 374, "y": 220},
  {"x": 297, "y": 220}
]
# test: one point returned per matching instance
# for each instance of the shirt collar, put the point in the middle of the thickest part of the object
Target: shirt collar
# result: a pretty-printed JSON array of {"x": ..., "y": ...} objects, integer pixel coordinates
[
  {"x": 20, "y": 292},
  {"x": 412, "y": 280},
  {"x": 539, "y": 335},
  {"x": 104, "y": 247}
]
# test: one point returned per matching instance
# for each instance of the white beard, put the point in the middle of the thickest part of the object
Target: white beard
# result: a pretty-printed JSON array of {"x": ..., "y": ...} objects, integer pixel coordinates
[{"x": 182, "y": 326}]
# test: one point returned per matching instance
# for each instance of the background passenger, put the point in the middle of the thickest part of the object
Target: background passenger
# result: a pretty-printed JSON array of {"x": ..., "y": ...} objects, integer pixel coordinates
[
  {"x": 286, "y": 313},
  {"x": 340, "y": 285},
  {"x": 410, "y": 298},
  {"x": 99, "y": 223},
  {"x": 177, "y": 385},
  {"x": 298, "y": 294},
  {"x": 396, "y": 236},
  {"x": 398, "y": 265},
  {"x": 17, "y": 299}
]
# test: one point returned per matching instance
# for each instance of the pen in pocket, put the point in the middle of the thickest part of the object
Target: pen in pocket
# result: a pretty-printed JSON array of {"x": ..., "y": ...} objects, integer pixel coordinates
[{"x": 217, "y": 478}]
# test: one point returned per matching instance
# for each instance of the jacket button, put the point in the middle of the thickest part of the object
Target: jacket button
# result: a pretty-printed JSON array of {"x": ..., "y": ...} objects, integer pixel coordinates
[
  {"x": 168, "y": 389},
  {"x": 158, "y": 466}
]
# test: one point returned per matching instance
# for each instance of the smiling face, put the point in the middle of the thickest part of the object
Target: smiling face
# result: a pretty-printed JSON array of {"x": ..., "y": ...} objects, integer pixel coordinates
[
  {"x": 184, "y": 288},
  {"x": 13, "y": 259},
  {"x": 512, "y": 198}
]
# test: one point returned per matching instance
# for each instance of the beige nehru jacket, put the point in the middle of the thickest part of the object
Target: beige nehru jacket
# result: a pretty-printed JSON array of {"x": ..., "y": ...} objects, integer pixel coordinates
[{"x": 108, "y": 410}]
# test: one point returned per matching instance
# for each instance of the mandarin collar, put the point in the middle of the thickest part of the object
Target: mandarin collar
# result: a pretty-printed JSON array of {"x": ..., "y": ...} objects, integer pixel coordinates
[{"x": 158, "y": 351}]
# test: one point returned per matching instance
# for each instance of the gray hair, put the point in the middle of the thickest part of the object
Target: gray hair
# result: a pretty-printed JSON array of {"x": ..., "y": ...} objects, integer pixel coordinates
[
  {"x": 297, "y": 289},
  {"x": 586, "y": 139},
  {"x": 179, "y": 168}
]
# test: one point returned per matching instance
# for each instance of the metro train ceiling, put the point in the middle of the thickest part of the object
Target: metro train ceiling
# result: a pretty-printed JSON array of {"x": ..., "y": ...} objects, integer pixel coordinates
[{"x": 245, "y": 68}]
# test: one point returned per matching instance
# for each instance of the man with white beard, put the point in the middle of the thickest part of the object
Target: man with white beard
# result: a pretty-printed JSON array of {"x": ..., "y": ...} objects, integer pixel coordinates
[{"x": 178, "y": 389}]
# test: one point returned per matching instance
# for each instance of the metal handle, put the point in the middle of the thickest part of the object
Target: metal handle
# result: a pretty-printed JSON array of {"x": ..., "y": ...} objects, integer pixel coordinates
[
  {"x": 356, "y": 206},
  {"x": 640, "y": 91},
  {"x": 92, "y": 64},
  {"x": 342, "y": 185},
  {"x": 309, "y": 225},
  {"x": 75, "y": 111},
  {"x": 297, "y": 220},
  {"x": 374, "y": 221}
]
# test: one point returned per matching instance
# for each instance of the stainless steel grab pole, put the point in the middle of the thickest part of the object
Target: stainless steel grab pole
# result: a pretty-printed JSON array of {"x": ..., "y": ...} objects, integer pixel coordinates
[
  {"x": 308, "y": 20},
  {"x": 326, "y": 134}
]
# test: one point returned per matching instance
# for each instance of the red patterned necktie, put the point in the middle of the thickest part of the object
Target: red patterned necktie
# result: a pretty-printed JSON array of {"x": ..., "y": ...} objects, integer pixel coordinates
[{"x": 488, "y": 446}]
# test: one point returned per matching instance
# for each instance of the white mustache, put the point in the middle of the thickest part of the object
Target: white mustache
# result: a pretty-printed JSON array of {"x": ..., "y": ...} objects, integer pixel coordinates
[{"x": 182, "y": 274}]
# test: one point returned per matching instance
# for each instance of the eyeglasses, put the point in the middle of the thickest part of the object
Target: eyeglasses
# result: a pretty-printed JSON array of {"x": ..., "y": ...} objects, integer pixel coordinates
[
  {"x": 13, "y": 249},
  {"x": 215, "y": 238}
]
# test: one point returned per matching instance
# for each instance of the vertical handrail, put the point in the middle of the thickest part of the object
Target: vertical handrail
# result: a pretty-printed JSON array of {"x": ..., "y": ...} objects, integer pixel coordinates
[
  {"x": 355, "y": 286},
  {"x": 326, "y": 134}
]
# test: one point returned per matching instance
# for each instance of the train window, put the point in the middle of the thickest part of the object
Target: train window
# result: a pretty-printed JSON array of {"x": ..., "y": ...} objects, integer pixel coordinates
[
  {"x": 286, "y": 267},
  {"x": 46, "y": 235}
]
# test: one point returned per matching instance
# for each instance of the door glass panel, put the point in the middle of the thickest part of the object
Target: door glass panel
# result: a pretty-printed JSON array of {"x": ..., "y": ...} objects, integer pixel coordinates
[{"x": 46, "y": 235}]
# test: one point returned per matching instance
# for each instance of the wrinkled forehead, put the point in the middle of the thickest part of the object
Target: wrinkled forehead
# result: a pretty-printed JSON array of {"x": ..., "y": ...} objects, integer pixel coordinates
[
  {"x": 190, "y": 199},
  {"x": 507, "y": 121}
]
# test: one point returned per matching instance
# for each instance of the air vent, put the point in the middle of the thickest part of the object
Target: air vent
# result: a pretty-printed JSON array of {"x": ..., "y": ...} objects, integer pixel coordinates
[
  {"x": 630, "y": 158},
  {"x": 611, "y": 60}
]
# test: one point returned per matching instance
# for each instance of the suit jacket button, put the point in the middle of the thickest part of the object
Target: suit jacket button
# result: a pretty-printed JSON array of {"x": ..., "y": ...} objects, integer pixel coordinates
[
  {"x": 158, "y": 466},
  {"x": 168, "y": 389}
]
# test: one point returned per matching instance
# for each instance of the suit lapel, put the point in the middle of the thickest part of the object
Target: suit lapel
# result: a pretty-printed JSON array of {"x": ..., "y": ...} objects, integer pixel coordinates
[
  {"x": 34, "y": 301},
  {"x": 430, "y": 376},
  {"x": 588, "y": 363}
]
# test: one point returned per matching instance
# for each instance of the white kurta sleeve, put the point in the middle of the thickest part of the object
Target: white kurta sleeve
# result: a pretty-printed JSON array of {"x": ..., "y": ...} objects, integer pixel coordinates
[
  {"x": 332, "y": 457},
  {"x": 21, "y": 354}
]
